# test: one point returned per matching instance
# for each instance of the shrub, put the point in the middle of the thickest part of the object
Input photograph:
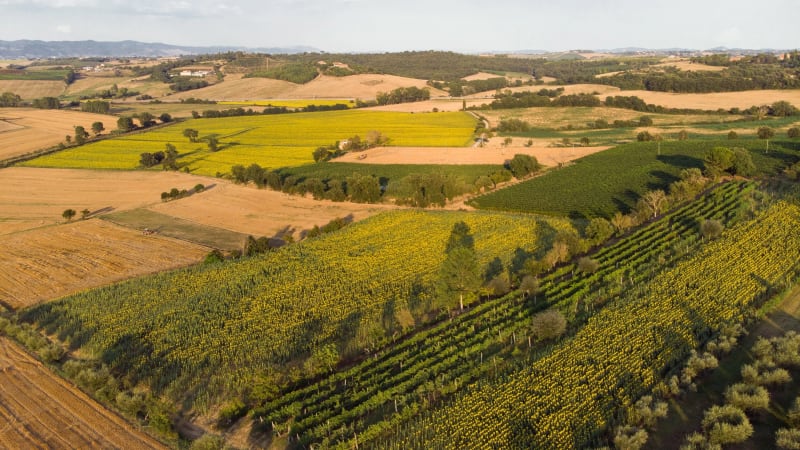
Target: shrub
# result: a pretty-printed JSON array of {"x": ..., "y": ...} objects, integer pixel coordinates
[{"x": 726, "y": 425}]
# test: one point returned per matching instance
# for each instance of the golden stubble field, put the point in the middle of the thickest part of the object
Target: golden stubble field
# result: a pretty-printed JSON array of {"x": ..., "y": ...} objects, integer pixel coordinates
[
  {"x": 47, "y": 263},
  {"x": 237, "y": 88},
  {"x": 31, "y": 89},
  {"x": 24, "y": 130},
  {"x": 40, "y": 410}
]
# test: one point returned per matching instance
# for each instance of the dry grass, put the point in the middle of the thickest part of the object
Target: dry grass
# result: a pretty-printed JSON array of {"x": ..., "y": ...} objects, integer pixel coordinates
[
  {"x": 717, "y": 100},
  {"x": 32, "y": 197},
  {"x": 40, "y": 410},
  {"x": 260, "y": 212},
  {"x": 47, "y": 263},
  {"x": 601, "y": 89},
  {"x": 688, "y": 66},
  {"x": 26, "y": 129},
  {"x": 236, "y": 88},
  {"x": 493, "y": 153},
  {"x": 29, "y": 90},
  {"x": 481, "y": 76},
  {"x": 579, "y": 117}
]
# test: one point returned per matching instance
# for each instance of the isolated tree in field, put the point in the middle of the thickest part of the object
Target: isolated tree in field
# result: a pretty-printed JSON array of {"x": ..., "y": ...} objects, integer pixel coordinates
[
  {"x": 523, "y": 165},
  {"x": 145, "y": 119},
  {"x": 711, "y": 229},
  {"x": 68, "y": 214},
  {"x": 787, "y": 438},
  {"x": 97, "y": 128},
  {"x": 549, "y": 324},
  {"x": 125, "y": 124},
  {"x": 213, "y": 143},
  {"x": 656, "y": 200},
  {"x": 68, "y": 138},
  {"x": 726, "y": 425},
  {"x": 718, "y": 160},
  {"x": 170, "y": 161},
  {"x": 80, "y": 135},
  {"x": 793, "y": 132},
  {"x": 766, "y": 133},
  {"x": 733, "y": 135},
  {"x": 630, "y": 438},
  {"x": 683, "y": 135},
  {"x": 85, "y": 214},
  {"x": 165, "y": 118},
  {"x": 529, "y": 285},
  {"x": 598, "y": 230},
  {"x": 584, "y": 141},
  {"x": 644, "y": 136},
  {"x": 191, "y": 134},
  {"x": 743, "y": 162},
  {"x": 621, "y": 222},
  {"x": 748, "y": 397},
  {"x": 459, "y": 273},
  {"x": 588, "y": 265}
]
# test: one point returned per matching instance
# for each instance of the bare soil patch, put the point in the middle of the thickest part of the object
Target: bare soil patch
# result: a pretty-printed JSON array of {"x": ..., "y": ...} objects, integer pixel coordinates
[
  {"x": 28, "y": 129},
  {"x": 717, "y": 100},
  {"x": 481, "y": 76},
  {"x": 261, "y": 212},
  {"x": 31, "y": 89},
  {"x": 40, "y": 410},
  {"x": 34, "y": 197},
  {"x": 493, "y": 153},
  {"x": 48, "y": 263}
]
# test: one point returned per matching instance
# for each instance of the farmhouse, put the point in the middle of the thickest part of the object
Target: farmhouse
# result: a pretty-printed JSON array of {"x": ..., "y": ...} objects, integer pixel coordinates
[{"x": 194, "y": 73}]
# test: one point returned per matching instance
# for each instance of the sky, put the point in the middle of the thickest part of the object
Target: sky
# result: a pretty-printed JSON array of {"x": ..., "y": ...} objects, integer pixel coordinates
[{"x": 389, "y": 25}]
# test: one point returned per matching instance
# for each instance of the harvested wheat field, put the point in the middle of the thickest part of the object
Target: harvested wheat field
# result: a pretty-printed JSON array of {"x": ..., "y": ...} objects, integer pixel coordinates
[
  {"x": 688, "y": 66},
  {"x": 493, "y": 153},
  {"x": 24, "y": 130},
  {"x": 34, "y": 197},
  {"x": 717, "y": 100},
  {"x": 261, "y": 212},
  {"x": 366, "y": 86},
  {"x": 237, "y": 88},
  {"x": 31, "y": 89},
  {"x": 599, "y": 89},
  {"x": 40, "y": 410},
  {"x": 47, "y": 263}
]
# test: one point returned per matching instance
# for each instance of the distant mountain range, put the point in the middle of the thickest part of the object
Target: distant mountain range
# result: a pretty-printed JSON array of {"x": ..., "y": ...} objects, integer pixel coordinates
[
  {"x": 65, "y": 49},
  {"x": 32, "y": 49}
]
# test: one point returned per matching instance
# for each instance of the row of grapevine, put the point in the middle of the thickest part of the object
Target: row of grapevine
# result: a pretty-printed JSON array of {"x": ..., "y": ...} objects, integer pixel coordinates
[
  {"x": 457, "y": 353},
  {"x": 567, "y": 398}
]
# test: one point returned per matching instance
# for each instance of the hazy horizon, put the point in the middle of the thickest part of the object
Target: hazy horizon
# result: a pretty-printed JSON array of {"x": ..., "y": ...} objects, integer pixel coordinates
[{"x": 374, "y": 25}]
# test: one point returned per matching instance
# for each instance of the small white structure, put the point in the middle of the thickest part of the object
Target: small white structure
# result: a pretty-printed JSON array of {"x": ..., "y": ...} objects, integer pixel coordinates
[{"x": 194, "y": 73}]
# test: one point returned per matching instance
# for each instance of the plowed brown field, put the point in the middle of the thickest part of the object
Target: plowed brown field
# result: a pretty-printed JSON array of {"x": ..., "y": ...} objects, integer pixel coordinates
[
  {"x": 51, "y": 262},
  {"x": 29, "y": 129},
  {"x": 39, "y": 410}
]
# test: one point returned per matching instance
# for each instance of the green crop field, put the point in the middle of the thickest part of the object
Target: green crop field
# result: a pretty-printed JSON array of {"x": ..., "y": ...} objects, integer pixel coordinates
[
  {"x": 271, "y": 141},
  {"x": 35, "y": 75},
  {"x": 289, "y": 103},
  {"x": 387, "y": 173},
  {"x": 613, "y": 180}
]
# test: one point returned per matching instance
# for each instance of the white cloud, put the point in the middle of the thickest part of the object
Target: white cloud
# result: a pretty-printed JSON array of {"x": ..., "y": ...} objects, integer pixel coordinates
[{"x": 64, "y": 29}]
